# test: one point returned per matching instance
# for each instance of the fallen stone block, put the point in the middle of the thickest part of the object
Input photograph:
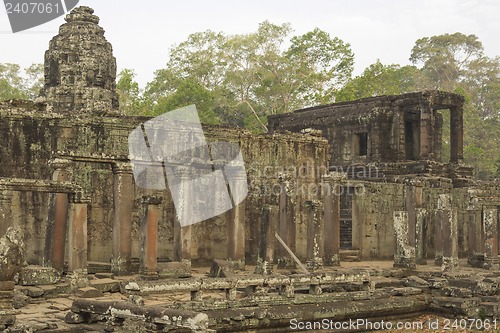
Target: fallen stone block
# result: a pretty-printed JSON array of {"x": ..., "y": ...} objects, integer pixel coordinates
[
  {"x": 100, "y": 310},
  {"x": 457, "y": 292},
  {"x": 32, "y": 291},
  {"x": 38, "y": 275},
  {"x": 19, "y": 299},
  {"x": 89, "y": 292},
  {"x": 101, "y": 275},
  {"x": 75, "y": 318},
  {"x": 415, "y": 281},
  {"x": 406, "y": 291}
]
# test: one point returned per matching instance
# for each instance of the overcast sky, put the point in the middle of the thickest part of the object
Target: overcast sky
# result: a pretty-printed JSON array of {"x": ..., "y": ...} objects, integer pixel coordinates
[{"x": 142, "y": 31}]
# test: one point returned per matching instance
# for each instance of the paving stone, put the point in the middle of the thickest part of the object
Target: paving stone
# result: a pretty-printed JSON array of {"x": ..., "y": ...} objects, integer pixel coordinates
[{"x": 105, "y": 285}]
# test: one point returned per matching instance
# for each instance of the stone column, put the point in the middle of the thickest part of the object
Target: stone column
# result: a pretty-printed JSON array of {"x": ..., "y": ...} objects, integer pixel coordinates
[
  {"x": 449, "y": 233},
  {"x": 411, "y": 206},
  {"x": 490, "y": 224},
  {"x": 420, "y": 253},
  {"x": 77, "y": 234},
  {"x": 5, "y": 211},
  {"x": 426, "y": 130},
  {"x": 122, "y": 218},
  {"x": 456, "y": 134},
  {"x": 267, "y": 242},
  {"x": 475, "y": 240},
  {"x": 182, "y": 243},
  {"x": 282, "y": 256},
  {"x": 404, "y": 255},
  {"x": 149, "y": 231},
  {"x": 314, "y": 233},
  {"x": 331, "y": 204},
  {"x": 236, "y": 231},
  {"x": 55, "y": 239}
]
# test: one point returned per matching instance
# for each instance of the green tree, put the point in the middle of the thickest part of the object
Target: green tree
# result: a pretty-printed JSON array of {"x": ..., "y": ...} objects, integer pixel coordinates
[
  {"x": 250, "y": 76},
  {"x": 378, "y": 79},
  {"x": 14, "y": 84},
  {"x": 128, "y": 92},
  {"x": 445, "y": 59},
  {"x": 189, "y": 92}
]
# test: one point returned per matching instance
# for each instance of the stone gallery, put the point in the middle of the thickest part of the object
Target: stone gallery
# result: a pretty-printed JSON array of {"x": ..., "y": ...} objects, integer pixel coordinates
[{"x": 351, "y": 213}]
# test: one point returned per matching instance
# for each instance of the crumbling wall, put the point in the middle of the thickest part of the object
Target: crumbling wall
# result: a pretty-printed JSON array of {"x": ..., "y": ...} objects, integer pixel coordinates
[{"x": 92, "y": 143}]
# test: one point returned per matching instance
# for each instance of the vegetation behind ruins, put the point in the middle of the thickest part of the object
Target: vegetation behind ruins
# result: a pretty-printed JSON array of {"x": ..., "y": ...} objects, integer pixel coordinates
[{"x": 238, "y": 80}]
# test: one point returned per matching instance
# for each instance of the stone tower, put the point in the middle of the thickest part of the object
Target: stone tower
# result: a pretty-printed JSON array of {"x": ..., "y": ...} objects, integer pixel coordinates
[{"x": 80, "y": 69}]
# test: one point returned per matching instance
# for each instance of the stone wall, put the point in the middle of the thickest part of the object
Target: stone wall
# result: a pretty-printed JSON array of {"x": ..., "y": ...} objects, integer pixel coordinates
[{"x": 94, "y": 143}]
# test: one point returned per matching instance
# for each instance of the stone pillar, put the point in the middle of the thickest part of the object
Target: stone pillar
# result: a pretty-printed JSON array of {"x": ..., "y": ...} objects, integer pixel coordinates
[
  {"x": 5, "y": 211},
  {"x": 55, "y": 239},
  {"x": 405, "y": 253},
  {"x": 267, "y": 242},
  {"x": 421, "y": 222},
  {"x": 456, "y": 134},
  {"x": 449, "y": 233},
  {"x": 475, "y": 240},
  {"x": 122, "y": 218},
  {"x": 410, "y": 204},
  {"x": 314, "y": 236},
  {"x": 490, "y": 224},
  {"x": 286, "y": 228},
  {"x": 149, "y": 231},
  {"x": 282, "y": 256},
  {"x": 426, "y": 130},
  {"x": 331, "y": 204},
  {"x": 77, "y": 234},
  {"x": 236, "y": 232},
  {"x": 182, "y": 243}
]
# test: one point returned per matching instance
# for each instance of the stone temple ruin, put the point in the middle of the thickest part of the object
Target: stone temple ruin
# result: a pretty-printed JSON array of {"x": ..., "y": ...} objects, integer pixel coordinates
[{"x": 350, "y": 209}]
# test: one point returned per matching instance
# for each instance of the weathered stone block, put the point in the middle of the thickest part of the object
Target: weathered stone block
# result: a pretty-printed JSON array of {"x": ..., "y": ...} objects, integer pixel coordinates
[
  {"x": 105, "y": 285},
  {"x": 89, "y": 292},
  {"x": 74, "y": 318},
  {"x": 32, "y": 291},
  {"x": 174, "y": 270},
  {"x": 38, "y": 275}
]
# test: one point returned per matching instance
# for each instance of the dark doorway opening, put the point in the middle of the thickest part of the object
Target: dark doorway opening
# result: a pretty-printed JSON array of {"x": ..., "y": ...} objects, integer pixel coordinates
[
  {"x": 346, "y": 218},
  {"x": 412, "y": 142}
]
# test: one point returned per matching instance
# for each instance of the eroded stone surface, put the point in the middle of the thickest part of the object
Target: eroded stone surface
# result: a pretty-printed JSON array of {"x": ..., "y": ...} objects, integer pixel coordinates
[{"x": 80, "y": 69}]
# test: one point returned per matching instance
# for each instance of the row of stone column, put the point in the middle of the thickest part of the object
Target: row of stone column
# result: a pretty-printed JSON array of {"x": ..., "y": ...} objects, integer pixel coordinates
[
  {"x": 483, "y": 238},
  {"x": 322, "y": 231},
  {"x": 409, "y": 237},
  {"x": 482, "y": 242}
]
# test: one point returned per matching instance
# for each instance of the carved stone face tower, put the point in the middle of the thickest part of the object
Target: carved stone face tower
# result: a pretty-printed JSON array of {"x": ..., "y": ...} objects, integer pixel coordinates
[{"x": 80, "y": 69}]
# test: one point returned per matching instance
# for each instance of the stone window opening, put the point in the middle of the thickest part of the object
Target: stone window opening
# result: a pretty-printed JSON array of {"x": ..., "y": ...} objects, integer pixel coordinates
[{"x": 360, "y": 144}]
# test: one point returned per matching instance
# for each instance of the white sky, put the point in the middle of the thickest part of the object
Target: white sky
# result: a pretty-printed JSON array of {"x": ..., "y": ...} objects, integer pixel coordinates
[{"x": 142, "y": 31}]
